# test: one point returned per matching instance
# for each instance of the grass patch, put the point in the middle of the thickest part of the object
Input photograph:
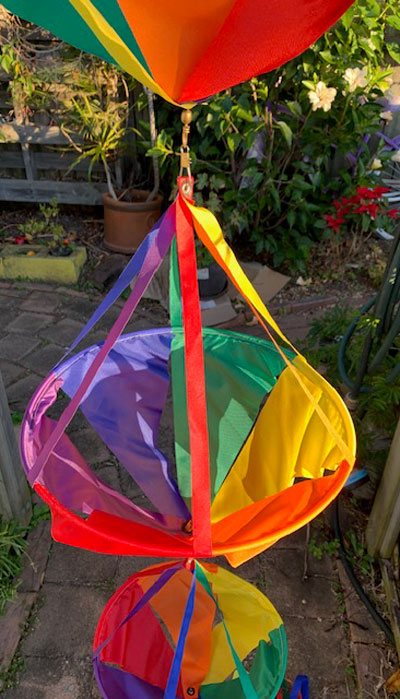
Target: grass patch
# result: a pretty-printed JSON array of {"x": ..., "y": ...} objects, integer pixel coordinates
[{"x": 13, "y": 542}]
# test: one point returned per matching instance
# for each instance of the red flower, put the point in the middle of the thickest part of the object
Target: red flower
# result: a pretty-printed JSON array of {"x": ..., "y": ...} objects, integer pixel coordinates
[
  {"x": 381, "y": 190},
  {"x": 366, "y": 192},
  {"x": 393, "y": 213},
  {"x": 373, "y": 210},
  {"x": 334, "y": 223},
  {"x": 19, "y": 240}
]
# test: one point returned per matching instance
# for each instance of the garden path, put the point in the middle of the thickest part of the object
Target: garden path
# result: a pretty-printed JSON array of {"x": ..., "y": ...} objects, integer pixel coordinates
[{"x": 71, "y": 587}]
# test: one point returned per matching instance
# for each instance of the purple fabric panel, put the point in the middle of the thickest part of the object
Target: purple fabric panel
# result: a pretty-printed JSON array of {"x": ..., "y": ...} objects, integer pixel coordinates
[
  {"x": 124, "y": 405},
  {"x": 152, "y": 262},
  {"x": 131, "y": 270},
  {"x": 68, "y": 477},
  {"x": 117, "y": 684}
]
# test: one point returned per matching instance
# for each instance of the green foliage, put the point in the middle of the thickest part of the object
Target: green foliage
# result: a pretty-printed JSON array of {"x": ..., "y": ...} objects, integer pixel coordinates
[
  {"x": 377, "y": 409},
  {"x": 12, "y": 546},
  {"x": 9, "y": 677},
  {"x": 325, "y": 332},
  {"x": 16, "y": 417},
  {"x": 357, "y": 553},
  {"x": 269, "y": 160},
  {"x": 319, "y": 549},
  {"x": 380, "y": 406},
  {"x": 46, "y": 229}
]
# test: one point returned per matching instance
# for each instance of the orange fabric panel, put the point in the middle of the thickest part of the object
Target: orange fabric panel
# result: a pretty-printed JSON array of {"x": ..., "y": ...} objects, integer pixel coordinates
[
  {"x": 197, "y": 656},
  {"x": 268, "y": 520},
  {"x": 173, "y": 35}
]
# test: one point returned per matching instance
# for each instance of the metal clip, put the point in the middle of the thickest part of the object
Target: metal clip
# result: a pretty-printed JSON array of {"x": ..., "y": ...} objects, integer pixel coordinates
[{"x": 186, "y": 118}]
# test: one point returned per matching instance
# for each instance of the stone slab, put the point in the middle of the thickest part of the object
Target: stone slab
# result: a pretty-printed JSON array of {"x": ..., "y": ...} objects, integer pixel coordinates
[
  {"x": 78, "y": 308},
  {"x": 10, "y": 372},
  {"x": 371, "y": 670},
  {"x": 91, "y": 446},
  {"x": 42, "y": 302},
  {"x": 66, "y": 621},
  {"x": 12, "y": 624},
  {"x": 14, "y": 347},
  {"x": 35, "y": 558},
  {"x": 7, "y": 315},
  {"x": 283, "y": 583},
  {"x": 128, "y": 565},
  {"x": 109, "y": 475},
  {"x": 30, "y": 323},
  {"x": 14, "y": 291},
  {"x": 62, "y": 333},
  {"x": 363, "y": 629},
  {"x": 321, "y": 651},
  {"x": 44, "y": 359},
  {"x": 20, "y": 393},
  {"x": 72, "y": 565},
  {"x": 46, "y": 678}
]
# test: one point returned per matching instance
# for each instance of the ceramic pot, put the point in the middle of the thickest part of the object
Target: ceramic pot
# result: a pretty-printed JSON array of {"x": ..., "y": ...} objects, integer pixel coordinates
[{"x": 126, "y": 224}]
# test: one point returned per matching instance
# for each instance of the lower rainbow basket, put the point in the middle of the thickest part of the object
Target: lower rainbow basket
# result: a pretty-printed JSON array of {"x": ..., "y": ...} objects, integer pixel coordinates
[{"x": 187, "y": 630}]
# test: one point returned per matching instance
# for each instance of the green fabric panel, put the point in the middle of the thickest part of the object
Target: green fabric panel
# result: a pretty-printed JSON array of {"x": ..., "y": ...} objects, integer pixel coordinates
[
  {"x": 112, "y": 12},
  {"x": 267, "y": 672},
  {"x": 62, "y": 20},
  {"x": 240, "y": 372},
  {"x": 175, "y": 308}
]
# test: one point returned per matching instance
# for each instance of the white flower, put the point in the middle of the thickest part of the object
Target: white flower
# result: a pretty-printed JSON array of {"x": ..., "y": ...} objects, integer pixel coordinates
[
  {"x": 322, "y": 97},
  {"x": 387, "y": 116},
  {"x": 356, "y": 77},
  {"x": 396, "y": 157},
  {"x": 376, "y": 164}
]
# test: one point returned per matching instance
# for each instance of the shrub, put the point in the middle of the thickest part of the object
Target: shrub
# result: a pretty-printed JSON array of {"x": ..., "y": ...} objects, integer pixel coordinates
[{"x": 271, "y": 155}]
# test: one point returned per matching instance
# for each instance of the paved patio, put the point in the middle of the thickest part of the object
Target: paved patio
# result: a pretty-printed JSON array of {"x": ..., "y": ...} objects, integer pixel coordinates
[{"x": 66, "y": 589}]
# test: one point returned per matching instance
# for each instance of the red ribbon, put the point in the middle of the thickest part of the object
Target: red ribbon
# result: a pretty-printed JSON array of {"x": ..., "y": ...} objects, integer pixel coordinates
[{"x": 195, "y": 375}]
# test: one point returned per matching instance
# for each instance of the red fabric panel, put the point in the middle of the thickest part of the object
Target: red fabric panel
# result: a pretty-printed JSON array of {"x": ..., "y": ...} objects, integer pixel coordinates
[
  {"x": 195, "y": 381},
  {"x": 139, "y": 647},
  {"x": 104, "y": 533},
  {"x": 259, "y": 36}
]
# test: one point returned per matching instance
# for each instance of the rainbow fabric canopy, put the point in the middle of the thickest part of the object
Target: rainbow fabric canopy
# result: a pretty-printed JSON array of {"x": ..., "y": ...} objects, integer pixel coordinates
[
  {"x": 262, "y": 442},
  {"x": 197, "y": 625},
  {"x": 187, "y": 51}
]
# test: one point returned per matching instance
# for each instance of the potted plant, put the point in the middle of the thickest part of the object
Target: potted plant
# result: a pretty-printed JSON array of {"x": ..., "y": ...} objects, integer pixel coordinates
[
  {"x": 41, "y": 249},
  {"x": 129, "y": 211}
]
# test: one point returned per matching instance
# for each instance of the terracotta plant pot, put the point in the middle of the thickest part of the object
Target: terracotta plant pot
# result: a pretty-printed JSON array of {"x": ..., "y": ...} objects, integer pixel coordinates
[{"x": 126, "y": 224}]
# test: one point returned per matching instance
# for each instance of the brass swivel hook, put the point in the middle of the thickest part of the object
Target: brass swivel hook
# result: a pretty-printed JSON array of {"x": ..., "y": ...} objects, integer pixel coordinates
[{"x": 186, "y": 119}]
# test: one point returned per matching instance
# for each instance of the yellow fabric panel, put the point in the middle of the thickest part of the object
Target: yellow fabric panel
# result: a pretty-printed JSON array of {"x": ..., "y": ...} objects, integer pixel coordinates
[
  {"x": 249, "y": 617},
  {"x": 122, "y": 55},
  {"x": 288, "y": 441},
  {"x": 210, "y": 233},
  {"x": 209, "y": 226}
]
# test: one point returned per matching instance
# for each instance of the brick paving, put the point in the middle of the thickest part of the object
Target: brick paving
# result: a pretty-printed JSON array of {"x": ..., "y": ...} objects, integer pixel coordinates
[{"x": 75, "y": 584}]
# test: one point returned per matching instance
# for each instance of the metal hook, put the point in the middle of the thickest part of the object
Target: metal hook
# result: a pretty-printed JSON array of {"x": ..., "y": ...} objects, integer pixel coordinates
[{"x": 186, "y": 119}]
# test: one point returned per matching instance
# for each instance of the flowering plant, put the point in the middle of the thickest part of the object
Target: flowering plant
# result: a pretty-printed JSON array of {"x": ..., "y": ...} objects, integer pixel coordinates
[{"x": 356, "y": 217}]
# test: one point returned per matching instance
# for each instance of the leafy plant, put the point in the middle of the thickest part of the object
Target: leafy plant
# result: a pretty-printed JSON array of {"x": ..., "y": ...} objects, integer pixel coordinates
[
  {"x": 355, "y": 218},
  {"x": 358, "y": 554},
  {"x": 12, "y": 546},
  {"x": 378, "y": 409},
  {"x": 47, "y": 230},
  {"x": 319, "y": 549},
  {"x": 271, "y": 154}
]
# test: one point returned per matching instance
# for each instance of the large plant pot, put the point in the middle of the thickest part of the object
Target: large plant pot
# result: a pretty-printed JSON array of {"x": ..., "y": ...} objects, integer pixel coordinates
[{"x": 126, "y": 224}]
